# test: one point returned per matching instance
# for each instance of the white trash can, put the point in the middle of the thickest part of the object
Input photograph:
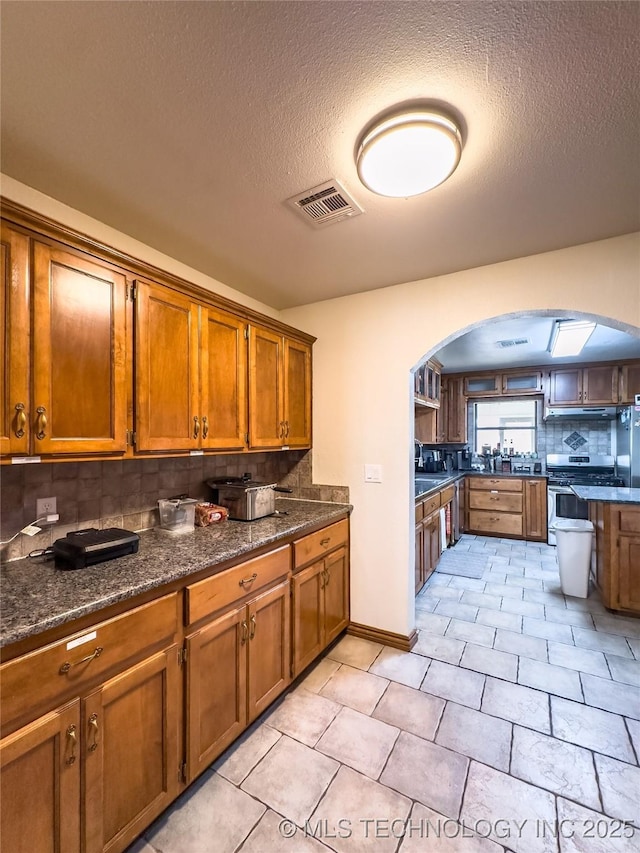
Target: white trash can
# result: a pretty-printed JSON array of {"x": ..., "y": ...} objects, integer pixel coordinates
[{"x": 573, "y": 540}]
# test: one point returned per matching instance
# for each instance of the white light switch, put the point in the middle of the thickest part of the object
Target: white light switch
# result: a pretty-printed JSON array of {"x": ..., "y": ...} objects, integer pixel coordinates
[{"x": 373, "y": 473}]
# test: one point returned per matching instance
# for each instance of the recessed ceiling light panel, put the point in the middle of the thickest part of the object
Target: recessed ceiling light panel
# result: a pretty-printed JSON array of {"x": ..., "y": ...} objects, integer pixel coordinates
[
  {"x": 409, "y": 153},
  {"x": 569, "y": 337}
]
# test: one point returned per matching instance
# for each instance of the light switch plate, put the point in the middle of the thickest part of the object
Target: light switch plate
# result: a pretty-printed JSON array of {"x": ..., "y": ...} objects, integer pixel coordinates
[{"x": 373, "y": 473}]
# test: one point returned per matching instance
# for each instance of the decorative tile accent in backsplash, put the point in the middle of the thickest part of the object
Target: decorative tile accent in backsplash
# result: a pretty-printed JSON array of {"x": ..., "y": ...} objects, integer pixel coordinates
[
  {"x": 574, "y": 436},
  {"x": 125, "y": 493},
  {"x": 575, "y": 440}
]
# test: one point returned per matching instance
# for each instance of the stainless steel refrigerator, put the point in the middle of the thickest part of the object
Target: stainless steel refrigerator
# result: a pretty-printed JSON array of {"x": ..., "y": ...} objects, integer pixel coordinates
[{"x": 628, "y": 446}]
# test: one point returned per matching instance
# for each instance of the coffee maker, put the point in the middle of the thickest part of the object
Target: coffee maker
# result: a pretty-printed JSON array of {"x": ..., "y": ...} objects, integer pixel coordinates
[
  {"x": 463, "y": 460},
  {"x": 433, "y": 461}
]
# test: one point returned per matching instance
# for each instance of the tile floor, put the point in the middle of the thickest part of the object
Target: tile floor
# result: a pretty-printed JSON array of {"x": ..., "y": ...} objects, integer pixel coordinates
[{"x": 516, "y": 714}]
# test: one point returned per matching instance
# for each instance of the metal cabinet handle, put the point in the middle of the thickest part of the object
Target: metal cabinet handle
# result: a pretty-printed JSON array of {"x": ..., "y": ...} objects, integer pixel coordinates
[
  {"x": 93, "y": 730},
  {"x": 282, "y": 428},
  {"x": 41, "y": 422},
  {"x": 205, "y": 426},
  {"x": 247, "y": 581},
  {"x": 328, "y": 575},
  {"x": 324, "y": 542},
  {"x": 196, "y": 426},
  {"x": 323, "y": 582},
  {"x": 66, "y": 666},
  {"x": 21, "y": 420},
  {"x": 287, "y": 432},
  {"x": 72, "y": 738},
  {"x": 253, "y": 626},
  {"x": 245, "y": 632}
]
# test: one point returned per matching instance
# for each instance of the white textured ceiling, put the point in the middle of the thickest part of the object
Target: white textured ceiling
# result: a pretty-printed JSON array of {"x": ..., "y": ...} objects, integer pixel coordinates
[{"x": 188, "y": 124}]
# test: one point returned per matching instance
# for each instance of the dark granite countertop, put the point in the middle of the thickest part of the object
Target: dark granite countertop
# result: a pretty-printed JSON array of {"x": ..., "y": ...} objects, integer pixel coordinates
[
  {"x": 426, "y": 483},
  {"x": 36, "y": 596},
  {"x": 607, "y": 494}
]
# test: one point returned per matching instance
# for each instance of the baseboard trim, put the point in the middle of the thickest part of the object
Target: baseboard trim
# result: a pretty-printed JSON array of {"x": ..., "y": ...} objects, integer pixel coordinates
[{"x": 403, "y": 642}]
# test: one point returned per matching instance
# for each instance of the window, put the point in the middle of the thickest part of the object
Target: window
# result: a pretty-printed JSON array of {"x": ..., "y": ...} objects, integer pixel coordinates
[{"x": 512, "y": 423}]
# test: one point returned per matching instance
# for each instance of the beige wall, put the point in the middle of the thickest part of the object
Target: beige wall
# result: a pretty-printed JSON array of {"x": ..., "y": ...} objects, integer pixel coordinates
[{"x": 363, "y": 412}]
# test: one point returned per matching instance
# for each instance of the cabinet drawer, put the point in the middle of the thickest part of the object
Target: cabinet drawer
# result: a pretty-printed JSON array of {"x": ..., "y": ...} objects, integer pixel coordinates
[
  {"x": 222, "y": 590},
  {"x": 500, "y": 522},
  {"x": 430, "y": 504},
  {"x": 318, "y": 544},
  {"x": 503, "y": 501},
  {"x": 419, "y": 511},
  {"x": 501, "y": 484},
  {"x": 64, "y": 668},
  {"x": 446, "y": 495}
]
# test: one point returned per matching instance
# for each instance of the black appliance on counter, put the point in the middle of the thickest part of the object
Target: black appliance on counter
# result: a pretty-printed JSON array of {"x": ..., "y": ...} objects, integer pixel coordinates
[{"x": 91, "y": 546}]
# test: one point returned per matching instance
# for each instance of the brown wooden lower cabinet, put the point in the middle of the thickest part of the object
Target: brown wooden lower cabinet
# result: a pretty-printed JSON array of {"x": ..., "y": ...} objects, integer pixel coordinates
[
  {"x": 535, "y": 510},
  {"x": 616, "y": 557},
  {"x": 514, "y": 507},
  {"x": 427, "y": 548}
]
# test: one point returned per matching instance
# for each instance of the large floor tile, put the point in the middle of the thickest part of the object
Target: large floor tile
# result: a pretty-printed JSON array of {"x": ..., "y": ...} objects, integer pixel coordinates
[
  {"x": 211, "y": 808},
  {"x": 273, "y": 834},
  {"x": 355, "y": 688},
  {"x": 451, "y": 682},
  {"x": 555, "y": 765},
  {"x": 480, "y": 736},
  {"x": 518, "y": 704},
  {"x": 304, "y": 716},
  {"x": 624, "y": 669},
  {"x": 434, "y": 623},
  {"x": 476, "y": 584},
  {"x": 427, "y": 772},
  {"x": 566, "y": 616},
  {"x": 471, "y": 632},
  {"x": 620, "y": 787},
  {"x": 547, "y": 630},
  {"x": 490, "y": 662},
  {"x": 586, "y": 831},
  {"x": 499, "y": 619},
  {"x": 540, "y": 596},
  {"x": 552, "y": 679},
  {"x": 611, "y": 696},
  {"x": 634, "y": 645},
  {"x": 359, "y": 741},
  {"x": 507, "y": 803},
  {"x": 519, "y": 644},
  {"x": 481, "y": 599},
  {"x": 633, "y": 727},
  {"x": 590, "y": 727},
  {"x": 355, "y": 651},
  {"x": 601, "y": 642},
  {"x": 320, "y": 674},
  {"x": 583, "y": 660},
  {"x": 454, "y": 608},
  {"x": 617, "y": 625},
  {"x": 430, "y": 832},
  {"x": 523, "y": 608},
  {"x": 360, "y": 814},
  {"x": 404, "y": 667},
  {"x": 504, "y": 590},
  {"x": 240, "y": 759},
  {"x": 441, "y": 648},
  {"x": 410, "y": 710},
  {"x": 291, "y": 778}
]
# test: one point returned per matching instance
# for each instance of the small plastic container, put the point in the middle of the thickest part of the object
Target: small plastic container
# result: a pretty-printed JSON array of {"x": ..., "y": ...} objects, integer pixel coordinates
[
  {"x": 177, "y": 515},
  {"x": 573, "y": 540}
]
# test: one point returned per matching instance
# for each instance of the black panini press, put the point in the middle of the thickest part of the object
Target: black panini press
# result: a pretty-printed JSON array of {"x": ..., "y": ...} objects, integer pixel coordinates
[{"x": 90, "y": 546}]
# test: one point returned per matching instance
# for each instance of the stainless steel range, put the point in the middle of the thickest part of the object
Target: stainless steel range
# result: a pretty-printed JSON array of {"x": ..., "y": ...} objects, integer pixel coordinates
[{"x": 580, "y": 469}]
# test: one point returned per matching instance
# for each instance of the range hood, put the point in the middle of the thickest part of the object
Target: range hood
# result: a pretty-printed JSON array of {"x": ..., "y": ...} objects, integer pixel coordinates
[{"x": 581, "y": 413}]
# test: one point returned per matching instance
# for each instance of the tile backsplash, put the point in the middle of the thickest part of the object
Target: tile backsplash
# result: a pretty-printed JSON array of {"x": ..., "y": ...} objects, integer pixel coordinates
[
  {"x": 567, "y": 436},
  {"x": 125, "y": 493}
]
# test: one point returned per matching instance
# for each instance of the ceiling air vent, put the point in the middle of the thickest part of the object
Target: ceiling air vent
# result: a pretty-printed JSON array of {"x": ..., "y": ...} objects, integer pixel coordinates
[
  {"x": 322, "y": 205},
  {"x": 513, "y": 342}
]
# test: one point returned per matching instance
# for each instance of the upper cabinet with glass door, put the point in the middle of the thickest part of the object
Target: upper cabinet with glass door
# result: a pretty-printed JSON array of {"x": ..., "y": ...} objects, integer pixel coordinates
[{"x": 428, "y": 384}]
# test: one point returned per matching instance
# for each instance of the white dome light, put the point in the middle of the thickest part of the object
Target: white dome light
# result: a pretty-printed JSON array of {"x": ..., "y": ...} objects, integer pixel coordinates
[{"x": 409, "y": 153}]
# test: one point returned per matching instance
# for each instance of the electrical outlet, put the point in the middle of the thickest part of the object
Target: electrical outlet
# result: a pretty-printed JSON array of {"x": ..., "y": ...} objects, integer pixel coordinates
[{"x": 45, "y": 506}]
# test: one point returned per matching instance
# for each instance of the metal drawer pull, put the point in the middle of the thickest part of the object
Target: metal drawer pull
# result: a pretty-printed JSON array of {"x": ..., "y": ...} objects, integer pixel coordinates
[
  {"x": 494, "y": 499},
  {"x": 287, "y": 433},
  {"x": 253, "y": 626},
  {"x": 72, "y": 738},
  {"x": 93, "y": 729},
  {"x": 323, "y": 582},
  {"x": 21, "y": 420},
  {"x": 205, "y": 426},
  {"x": 64, "y": 669},
  {"x": 248, "y": 580},
  {"x": 245, "y": 632},
  {"x": 324, "y": 542},
  {"x": 41, "y": 422},
  {"x": 494, "y": 519}
]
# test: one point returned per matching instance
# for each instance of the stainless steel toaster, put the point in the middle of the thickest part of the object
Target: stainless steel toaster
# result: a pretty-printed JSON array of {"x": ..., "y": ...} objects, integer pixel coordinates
[{"x": 246, "y": 500}]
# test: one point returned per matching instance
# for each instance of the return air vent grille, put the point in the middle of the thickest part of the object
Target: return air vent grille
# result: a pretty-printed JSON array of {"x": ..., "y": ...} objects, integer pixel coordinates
[
  {"x": 327, "y": 203},
  {"x": 513, "y": 342}
]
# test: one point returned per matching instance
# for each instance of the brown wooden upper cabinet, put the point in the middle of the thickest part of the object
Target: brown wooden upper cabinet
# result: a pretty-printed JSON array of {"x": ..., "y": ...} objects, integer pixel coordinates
[
  {"x": 279, "y": 390},
  {"x": 513, "y": 383},
  {"x": 428, "y": 383},
  {"x": 629, "y": 382},
  {"x": 596, "y": 385},
  {"x": 71, "y": 398},
  {"x": 190, "y": 373}
]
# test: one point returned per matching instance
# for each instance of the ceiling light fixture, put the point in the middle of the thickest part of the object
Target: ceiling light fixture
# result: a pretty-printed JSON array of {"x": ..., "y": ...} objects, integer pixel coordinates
[
  {"x": 569, "y": 337},
  {"x": 408, "y": 153}
]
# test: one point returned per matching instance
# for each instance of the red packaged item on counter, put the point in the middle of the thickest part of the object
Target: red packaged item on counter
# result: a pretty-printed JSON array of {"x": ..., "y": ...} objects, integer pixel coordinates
[{"x": 208, "y": 513}]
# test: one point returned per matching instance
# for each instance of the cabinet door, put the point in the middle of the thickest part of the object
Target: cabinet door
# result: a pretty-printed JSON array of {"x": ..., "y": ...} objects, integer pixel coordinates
[
  {"x": 419, "y": 561},
  {"x": 266, "y": 388},
  {"x": 269, "y": 670},
  {"x": 456, "y": 411},
  {"x": 629, "y": 382},
  {"x": 628, "y": 575},
  {"x": 308, "y": 625},
  {"x": 168, "y": 415},
  {"x": 522, "y": 383},
  {"x": 482, "y": 386},
  {"x": 79, "y": 366},
  {"x": 336, "y": 594},
  {"x": 40, "y": 785},
  {"x": 224, "y": 380},
  {"x": 216, "y": 688},
  {"x": 297, "y": 393},
  {"x": 130, "y": 752},
  {"x": 565, "y": 386},
  {"x": 14, "y": 342},
  {"x": 535, "y": 509},
  {"x": 600, "y": 385}
]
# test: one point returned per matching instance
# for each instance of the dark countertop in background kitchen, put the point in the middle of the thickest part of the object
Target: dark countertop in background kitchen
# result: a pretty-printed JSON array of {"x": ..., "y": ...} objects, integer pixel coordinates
[
  {"x": 446, "y": 479},
  {"x": 36, "y": 596},
  {"x": 607, "y": 494}
]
